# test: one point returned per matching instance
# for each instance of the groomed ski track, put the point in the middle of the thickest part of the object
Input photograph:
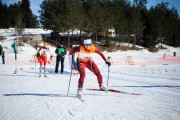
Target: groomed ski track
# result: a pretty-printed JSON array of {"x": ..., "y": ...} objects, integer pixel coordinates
[{"x": 25, "y": 96}]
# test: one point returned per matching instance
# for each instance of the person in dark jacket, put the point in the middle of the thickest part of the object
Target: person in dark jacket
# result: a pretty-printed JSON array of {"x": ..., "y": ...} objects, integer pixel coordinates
[
  {"x": 61, "y": 52},
  {"x": 3, "y": 57},
  {"x": 2, "y": 53},
  {"x": 1, "y": 49}
]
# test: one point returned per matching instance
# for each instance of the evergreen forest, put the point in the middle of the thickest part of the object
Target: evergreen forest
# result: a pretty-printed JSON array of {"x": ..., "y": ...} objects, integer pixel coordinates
[{"x": 132, "y": 21}]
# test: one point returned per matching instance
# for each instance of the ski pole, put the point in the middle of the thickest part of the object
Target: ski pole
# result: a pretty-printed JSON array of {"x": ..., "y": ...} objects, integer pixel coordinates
[
  {"x": 35, "y": 64},
  {"x": 51, "y": 67},
  {"x": 70, "y": 76},
  {"x": 108, "y": 76},
  {"x": 35, "y": 58}
]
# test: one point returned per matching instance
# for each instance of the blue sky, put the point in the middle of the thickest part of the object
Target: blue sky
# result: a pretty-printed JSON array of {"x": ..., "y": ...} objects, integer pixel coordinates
[{"x": 35, "y": 4}]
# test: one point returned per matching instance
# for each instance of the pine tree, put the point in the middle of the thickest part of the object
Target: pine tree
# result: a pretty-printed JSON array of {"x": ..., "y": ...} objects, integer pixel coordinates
[
  {"x": 29, "y": 19},
  {"x": 4, "y": 18}
]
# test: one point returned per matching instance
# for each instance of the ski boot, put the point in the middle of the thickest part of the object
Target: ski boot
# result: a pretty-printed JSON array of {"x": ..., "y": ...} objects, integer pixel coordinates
[
  {"x": 40, "y": 71},
  {"x": 45, "y": 75},
  {"x": 45, "y": 72},
  {"x": 39, "y": 75},
  {"x": 79, "y": 94},
  {"x": 102, "y": 88}
]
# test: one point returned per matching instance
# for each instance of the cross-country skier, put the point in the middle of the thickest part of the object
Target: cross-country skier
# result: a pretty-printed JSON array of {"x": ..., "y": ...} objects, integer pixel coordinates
[
  {"x": 84, "y": 59},
  {"x": 42, "y": 54}
]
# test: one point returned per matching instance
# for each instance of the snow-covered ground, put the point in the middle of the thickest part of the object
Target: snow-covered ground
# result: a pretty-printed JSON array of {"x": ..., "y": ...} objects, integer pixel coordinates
[
  {"x": 25, "y": 96},
  {"x": 11, "y": 31}
]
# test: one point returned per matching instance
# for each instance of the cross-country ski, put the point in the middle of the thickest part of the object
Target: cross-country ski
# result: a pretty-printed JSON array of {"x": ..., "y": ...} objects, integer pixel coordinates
[{"x": 114, "y": 91}]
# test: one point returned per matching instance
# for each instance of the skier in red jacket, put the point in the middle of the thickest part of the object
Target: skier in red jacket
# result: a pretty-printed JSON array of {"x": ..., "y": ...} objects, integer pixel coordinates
[
  {"x": 42, "y": 54},
  {"x": 84, "y": 59}
]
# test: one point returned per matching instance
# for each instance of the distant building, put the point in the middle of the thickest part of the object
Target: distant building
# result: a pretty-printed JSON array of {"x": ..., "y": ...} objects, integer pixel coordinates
[
  {"x": 27, "y": 34},
  {"x": 75, "y": 32},
  {"x": 37, "y": 37}
]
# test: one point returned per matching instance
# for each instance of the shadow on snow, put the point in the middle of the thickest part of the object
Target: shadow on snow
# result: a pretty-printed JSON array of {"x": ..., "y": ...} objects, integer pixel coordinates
[
  {"x": 39, "y": 94},
  {"x": 154, "y": 86}
]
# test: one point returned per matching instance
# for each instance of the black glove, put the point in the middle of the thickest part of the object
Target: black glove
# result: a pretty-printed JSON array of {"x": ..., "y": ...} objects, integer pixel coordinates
[
  {"x": 108, "y": 63},
  {"x": 38, "y": 54}
]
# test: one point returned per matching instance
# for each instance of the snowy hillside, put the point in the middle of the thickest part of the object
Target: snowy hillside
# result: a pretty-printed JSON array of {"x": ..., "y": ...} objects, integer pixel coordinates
[
  {"x": 25, "y": 96},
  {"x": 11, "y": 31}
]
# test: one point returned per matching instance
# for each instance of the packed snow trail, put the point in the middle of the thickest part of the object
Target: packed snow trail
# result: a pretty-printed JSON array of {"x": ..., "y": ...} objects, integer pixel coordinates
[{"x": 26, "y": 96}]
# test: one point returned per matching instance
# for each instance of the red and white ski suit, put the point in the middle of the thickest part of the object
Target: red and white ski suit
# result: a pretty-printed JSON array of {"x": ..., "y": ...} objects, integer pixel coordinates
[
  {"x": 84, "y": 59},
  {"x": 43, "y": 56}
]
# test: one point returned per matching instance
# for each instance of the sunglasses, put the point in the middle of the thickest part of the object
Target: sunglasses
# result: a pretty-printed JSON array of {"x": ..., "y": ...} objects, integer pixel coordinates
[{"x": 88, "y": 45}]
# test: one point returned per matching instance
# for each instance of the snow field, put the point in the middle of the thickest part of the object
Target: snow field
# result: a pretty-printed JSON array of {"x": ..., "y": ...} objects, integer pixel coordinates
[{"x": 25, "y": 96}]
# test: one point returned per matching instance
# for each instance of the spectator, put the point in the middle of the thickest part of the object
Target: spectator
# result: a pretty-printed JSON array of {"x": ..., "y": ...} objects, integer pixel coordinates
[
  {"x": 3, "y": 57},
  {"x": 61, "y": 52}
]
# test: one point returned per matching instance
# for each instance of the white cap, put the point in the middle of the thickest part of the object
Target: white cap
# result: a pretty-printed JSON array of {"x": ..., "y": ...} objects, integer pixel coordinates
[{"x": 87, "y": 41}]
